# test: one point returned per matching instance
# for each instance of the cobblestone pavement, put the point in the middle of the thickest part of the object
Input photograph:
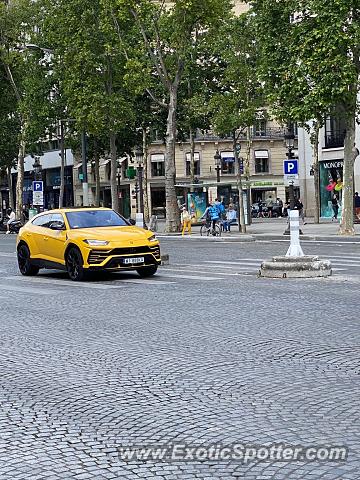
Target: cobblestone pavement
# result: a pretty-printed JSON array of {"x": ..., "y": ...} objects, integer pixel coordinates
[{"x": 205, "y": 353}]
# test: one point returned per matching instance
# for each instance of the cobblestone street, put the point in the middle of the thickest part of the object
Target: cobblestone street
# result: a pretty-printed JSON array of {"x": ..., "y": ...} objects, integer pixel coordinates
[{"x": 203, "y": 353}]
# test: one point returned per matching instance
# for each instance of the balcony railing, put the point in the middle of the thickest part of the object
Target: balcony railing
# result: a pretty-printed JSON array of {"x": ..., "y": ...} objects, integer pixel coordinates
[
  {"x": 335, "y": 139},
  {"x": 271, "y": 132}
]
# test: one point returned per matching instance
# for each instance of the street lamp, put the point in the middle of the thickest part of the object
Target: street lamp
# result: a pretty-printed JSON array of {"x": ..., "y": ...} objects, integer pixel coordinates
[
  {"x": 217, "y": 158},
  {"x": 37, "y": 167},
  {"x": 139, "y": 158}
]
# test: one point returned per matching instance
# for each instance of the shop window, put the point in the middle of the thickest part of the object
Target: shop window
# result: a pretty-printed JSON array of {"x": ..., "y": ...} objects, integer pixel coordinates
[
  {"x": 157, "y": 165},
  {"x": 262, "y": 161},
  {"x": 227, "y": 163},
  {"x": 196, "y": 164}
]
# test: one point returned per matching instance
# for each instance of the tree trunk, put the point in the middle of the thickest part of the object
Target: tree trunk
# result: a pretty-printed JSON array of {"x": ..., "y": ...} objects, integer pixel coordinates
[
  {"x": 20, "y": 177},
  {"x": 146, "y": 178},
  {"x": 97, "y": 176},
  {"x": 315, "y": 145},
  {"x": 242, "y": 225},
  {"x": 247, "y": 171},
  {"x": 350, "y": 154},
  {"x": 113, "y": 175},
  {"x": 62, "y": 166},
  {"x": 11, "y": 193},
  {"x": 172, "y": 209},
  {"x": 192, "y": 159}
]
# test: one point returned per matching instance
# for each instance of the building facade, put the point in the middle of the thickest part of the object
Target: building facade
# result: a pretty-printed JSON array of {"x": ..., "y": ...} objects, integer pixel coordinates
[{"x": 331, "y": 160}]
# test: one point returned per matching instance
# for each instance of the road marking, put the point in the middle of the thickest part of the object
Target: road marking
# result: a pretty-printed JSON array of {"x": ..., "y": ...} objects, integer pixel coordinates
[
  {"x": 146, "y": 281},
  {"x": 39, "y": 291},
  {"x": 63, "y": 283},
  {"x": 198, "y": 271},
  {"x": 192, "y": 277},
  {"x": 218, "y": 262},
  {"x": 6, "y": 254}
]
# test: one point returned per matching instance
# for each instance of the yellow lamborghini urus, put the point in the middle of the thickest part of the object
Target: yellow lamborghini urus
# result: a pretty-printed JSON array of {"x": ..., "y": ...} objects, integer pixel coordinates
[{"x": 81, "y": 240}]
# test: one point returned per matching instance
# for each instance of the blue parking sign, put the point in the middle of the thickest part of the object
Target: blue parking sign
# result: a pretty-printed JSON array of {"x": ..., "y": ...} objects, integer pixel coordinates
[
  {"x": 291, "y": 167},
  {"x": 38, "y": 186}
]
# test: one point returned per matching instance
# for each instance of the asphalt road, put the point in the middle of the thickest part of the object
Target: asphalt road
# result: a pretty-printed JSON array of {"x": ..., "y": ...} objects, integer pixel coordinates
[{"x": 204, "y": 353}]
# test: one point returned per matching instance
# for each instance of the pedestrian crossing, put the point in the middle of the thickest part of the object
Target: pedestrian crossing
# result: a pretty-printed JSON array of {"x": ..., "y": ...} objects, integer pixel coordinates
[{"x": 48, "y": 283}]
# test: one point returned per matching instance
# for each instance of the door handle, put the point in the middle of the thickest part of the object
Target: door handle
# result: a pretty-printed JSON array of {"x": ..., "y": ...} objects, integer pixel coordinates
[{"x": 46, "y": 238}]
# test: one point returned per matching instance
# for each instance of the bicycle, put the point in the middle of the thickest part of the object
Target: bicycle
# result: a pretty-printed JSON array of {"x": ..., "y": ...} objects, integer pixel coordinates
[{"x": 207, "y": 229}]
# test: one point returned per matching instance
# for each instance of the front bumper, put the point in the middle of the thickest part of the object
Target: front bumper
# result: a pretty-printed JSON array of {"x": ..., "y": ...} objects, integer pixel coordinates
[{"x": 114, "y": 259}]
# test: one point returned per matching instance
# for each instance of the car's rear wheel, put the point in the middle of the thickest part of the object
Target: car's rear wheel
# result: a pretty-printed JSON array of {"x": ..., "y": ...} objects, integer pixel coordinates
[
  {"x": 75, "y": 265},
  {"x": 147, "y": 271},
  {"x": 24, "y": 261}
]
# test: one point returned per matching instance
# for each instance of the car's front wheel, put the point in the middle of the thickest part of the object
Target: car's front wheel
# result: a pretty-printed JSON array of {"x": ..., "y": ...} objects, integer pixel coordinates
[
  {"x": 147, "y": 271},
  {"x": 75, "y": 265},
  {"x": 24, "y": 261}
]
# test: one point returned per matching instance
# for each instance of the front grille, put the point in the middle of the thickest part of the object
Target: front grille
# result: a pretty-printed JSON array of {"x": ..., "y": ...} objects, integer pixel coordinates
[{"x": 99, "y": 256}]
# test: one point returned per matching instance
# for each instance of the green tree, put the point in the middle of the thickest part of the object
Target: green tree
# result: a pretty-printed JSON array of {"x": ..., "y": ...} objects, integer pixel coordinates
[
  {"x": 27, "y": 76},
  {"x": 235, "y": 108},
  {"x": 168, "y": 35},
  {"x": 91, "y": 70},
  {"x": 310, "y": 56}
]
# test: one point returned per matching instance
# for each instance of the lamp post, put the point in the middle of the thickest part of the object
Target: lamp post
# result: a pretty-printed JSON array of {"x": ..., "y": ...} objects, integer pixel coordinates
[
  {"x": 217, "y": 158},
  {"x": 37, "y": 167},
  {"x": 139, "y": 157},
  {"x": 289, "y": 138},
  {"x": 118, "y": 174}
]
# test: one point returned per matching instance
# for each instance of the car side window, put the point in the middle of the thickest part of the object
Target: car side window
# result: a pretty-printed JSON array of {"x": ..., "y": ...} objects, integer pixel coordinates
[
  {"x": 42, "y": 221},
  {"x": 56, "y": 217}
]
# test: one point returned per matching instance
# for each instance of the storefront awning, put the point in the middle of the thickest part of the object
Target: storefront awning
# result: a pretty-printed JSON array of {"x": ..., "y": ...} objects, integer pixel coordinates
[{"x": 261, "y": 154}]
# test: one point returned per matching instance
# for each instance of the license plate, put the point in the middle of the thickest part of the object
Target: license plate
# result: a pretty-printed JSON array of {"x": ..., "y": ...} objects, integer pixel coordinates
[{"x": 135, "y": 260}]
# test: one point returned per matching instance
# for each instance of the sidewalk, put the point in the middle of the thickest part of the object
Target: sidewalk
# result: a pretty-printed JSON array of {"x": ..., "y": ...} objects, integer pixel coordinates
[{"x": 273, "y": 229}]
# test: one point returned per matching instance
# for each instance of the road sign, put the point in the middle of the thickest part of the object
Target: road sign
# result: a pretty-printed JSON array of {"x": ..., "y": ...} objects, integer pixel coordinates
[
  {"x": 291, "y": 167},
  {"x": 38, "y": 198},
  {"x": 292, "y": 179},
  {"x": 38, "y": 186}
]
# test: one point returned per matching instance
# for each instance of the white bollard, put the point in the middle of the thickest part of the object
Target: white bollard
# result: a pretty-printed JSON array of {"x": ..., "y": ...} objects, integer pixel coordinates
[{"x": 295, "y": 249}]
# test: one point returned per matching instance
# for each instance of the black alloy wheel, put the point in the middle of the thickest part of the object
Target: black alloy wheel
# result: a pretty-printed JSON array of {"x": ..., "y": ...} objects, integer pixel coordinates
[
  {"x": 24, "y": 261},
  {"x": 74, "y": 265}
]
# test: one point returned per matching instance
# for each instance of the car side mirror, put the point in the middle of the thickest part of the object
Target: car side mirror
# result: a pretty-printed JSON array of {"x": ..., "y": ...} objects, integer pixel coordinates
[
  {"x": 132, "y": 221},
  {"x": 57, "y": 225}
]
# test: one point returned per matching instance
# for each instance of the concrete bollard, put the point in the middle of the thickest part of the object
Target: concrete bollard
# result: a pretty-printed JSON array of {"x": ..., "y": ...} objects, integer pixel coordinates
[{"x": 295, "y": 249}]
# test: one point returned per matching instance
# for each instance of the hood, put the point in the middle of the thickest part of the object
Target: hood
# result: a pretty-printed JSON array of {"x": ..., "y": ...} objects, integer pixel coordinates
[{"x": 113, "y": 234}]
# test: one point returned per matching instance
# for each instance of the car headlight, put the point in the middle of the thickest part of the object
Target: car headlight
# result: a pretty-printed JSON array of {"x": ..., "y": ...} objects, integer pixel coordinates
[
  {"x": 152, "y": 238},
  {"x": 96, "y": 243}
]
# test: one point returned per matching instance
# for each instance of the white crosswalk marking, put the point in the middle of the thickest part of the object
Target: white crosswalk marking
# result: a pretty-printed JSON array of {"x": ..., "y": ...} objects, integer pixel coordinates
[
  {"x": 250, "y": 264},
  {"x": 21, "y": 289},
  {"x": 62, "y": 283},
  {"x": 192, "y": 277},
  {"x": 196, "y": 271}
]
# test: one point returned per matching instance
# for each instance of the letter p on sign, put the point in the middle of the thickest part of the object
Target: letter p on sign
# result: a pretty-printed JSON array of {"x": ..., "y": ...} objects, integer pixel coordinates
[{"x": 291, "y": 167}]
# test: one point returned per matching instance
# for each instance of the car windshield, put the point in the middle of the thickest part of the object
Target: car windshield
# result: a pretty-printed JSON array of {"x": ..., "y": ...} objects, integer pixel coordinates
[{"x": 95, "y": 218}]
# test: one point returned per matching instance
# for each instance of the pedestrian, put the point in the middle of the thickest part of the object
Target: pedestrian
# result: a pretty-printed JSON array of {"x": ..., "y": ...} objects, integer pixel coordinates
[
  {"x": 220, "y": 206},
  {"x": 300, "y": 206},
  {"x": 12, "y": 218},
  {"x": 186, "y": 221},
  {"x": 279, "y": 207},
  {"x": 357, "y": 205},
  {"x": 270, "y": 205},
  {"x": 335, "y": 207},
  {"x": 230, "y": 218}
]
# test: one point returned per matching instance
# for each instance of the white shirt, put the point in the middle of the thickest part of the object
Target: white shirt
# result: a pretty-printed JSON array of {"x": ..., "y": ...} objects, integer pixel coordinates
[
  {"x": 231, "y": 215},
  {"x": 12, "y": 217}
]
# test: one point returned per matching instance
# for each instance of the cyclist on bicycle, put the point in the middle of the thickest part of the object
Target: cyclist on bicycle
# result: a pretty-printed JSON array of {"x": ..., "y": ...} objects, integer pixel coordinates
[{"x": 212, "y": 214}]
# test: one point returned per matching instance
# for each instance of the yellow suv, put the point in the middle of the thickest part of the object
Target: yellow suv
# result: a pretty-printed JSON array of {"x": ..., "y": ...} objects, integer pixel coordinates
[{"x": 81, "y": 240}]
